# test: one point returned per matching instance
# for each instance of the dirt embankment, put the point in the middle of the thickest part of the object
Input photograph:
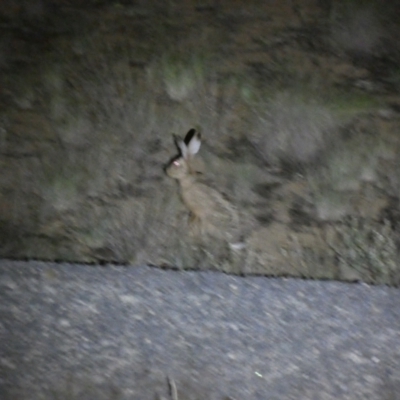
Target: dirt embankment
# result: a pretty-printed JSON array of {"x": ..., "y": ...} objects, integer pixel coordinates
[{"x": 297, "y": 103}]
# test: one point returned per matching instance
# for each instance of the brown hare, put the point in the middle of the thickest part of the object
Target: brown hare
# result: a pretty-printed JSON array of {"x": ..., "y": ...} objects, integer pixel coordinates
[{"x": 210, "y": 212}]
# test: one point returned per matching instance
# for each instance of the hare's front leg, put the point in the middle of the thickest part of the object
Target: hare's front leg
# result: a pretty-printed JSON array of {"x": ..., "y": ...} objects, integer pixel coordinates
[{"x": 195, "y": 225}]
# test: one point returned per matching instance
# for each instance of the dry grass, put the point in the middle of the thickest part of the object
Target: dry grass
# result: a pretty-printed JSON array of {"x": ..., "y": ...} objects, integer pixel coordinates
[
  {"x": 106, "y": 121},
  {"x": 366, "y": 250},
  {"x": 342, "y": 169},
  {"x": 292, "y": 128},
  {"x": 198, "y": 96},
  {"x": 295, "y": 125},
  {"x": 182, "y": 74},
  {"x": 141, "y": 231},
  {"x": 112, "y": 102},
  {"x": 357, "y": 27}
]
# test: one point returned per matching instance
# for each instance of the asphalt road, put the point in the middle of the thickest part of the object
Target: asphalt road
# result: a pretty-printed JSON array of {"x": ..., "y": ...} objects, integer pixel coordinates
[{"x": 90, "y": 332}]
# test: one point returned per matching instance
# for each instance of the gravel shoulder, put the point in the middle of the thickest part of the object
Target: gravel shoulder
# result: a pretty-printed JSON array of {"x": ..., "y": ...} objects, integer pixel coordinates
[{"x": 72, "y": 331}]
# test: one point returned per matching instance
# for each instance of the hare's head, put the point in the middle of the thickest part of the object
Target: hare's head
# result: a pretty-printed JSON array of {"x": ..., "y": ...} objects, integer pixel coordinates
[{"x": 180, "y": 166}]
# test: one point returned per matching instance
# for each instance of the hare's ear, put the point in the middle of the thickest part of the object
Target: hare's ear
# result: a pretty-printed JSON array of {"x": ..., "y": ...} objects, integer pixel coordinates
[
  {"x": 189, "y": 136},
  {"x": 180, "y": 144},
  {"x": 194, "y": 143}
]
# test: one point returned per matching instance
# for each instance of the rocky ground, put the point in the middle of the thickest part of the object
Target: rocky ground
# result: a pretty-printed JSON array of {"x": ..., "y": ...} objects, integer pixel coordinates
[{"x": 71, "y": 331}]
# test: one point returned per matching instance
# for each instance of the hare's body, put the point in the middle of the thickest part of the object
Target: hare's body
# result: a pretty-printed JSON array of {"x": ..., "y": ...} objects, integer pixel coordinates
[
  {"x": 210, "y": 211},
  {"x": 208, "y": 208}
]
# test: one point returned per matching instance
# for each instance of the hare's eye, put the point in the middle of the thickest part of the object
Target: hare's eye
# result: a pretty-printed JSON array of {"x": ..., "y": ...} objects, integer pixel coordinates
[{"x": 177, "y": 163}]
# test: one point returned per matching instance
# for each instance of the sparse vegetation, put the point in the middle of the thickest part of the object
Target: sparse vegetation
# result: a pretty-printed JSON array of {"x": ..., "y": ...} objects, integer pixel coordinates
[
  {"x": 366, "y": 250},
  {"x": 348, "y": 104},
  {"x": 356, "y": 27},
  {"x": 183, "y": 75},
  {"x": 344, "y": 167},
  {"x": 292, "y": 128},
  {"x": 108, "y": 100},
  {"x": 299, "y": 111}
]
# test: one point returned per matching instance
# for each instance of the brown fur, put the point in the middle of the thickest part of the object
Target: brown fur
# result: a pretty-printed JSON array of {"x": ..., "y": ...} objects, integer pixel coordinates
[{"x": 210, "y": 212}]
